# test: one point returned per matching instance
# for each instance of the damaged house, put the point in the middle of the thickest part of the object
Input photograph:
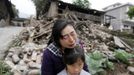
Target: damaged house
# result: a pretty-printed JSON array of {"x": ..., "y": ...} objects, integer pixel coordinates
[{"x": 55, "y": 8}]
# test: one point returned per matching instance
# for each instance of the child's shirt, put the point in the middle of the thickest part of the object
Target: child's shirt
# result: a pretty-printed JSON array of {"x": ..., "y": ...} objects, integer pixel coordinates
[{"x": 64, "y": 72}]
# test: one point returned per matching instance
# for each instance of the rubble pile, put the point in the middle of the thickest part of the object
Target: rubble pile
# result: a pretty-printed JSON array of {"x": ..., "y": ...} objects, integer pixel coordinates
[
  {"x": 25, "y": 54},
  {"x": 24, "y": 57},
  {"x": 25, "y": 60}
]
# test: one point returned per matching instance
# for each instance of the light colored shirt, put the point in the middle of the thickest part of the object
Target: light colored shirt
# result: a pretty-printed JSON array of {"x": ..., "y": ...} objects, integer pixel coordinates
[{"x": 64, "y": 72}]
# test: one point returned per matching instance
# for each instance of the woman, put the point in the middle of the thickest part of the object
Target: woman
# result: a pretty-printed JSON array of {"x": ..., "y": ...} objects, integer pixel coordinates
[{"x": 63, "y": 36}]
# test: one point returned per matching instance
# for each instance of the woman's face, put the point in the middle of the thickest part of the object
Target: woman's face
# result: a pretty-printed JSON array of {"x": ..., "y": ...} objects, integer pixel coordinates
[
  {"x": 75, "y": 68},
  {"x": 69, "y": 37}
]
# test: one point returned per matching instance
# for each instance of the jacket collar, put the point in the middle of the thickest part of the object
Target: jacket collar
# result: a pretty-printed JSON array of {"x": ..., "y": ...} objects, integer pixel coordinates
[{"x": 54, "y": 49}]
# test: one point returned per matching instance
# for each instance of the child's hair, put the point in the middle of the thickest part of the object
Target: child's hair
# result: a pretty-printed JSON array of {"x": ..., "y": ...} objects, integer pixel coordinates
[{"x": 71, "y": 55}]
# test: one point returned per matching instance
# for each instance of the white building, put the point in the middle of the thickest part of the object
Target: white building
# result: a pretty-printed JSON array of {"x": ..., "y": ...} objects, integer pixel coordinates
[{"x": 119, "y": 19}]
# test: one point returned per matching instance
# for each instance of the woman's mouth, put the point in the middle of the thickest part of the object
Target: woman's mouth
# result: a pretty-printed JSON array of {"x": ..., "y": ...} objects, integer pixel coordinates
[{"x": 72, "y": 45}]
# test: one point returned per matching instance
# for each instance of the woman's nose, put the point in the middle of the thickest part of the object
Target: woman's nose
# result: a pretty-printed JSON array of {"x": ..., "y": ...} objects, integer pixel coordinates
[{"x": 71, "y": 39}]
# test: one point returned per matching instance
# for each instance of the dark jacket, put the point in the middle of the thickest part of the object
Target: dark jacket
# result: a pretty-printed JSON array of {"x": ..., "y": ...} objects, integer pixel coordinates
[{"x": 52, "y": 62}]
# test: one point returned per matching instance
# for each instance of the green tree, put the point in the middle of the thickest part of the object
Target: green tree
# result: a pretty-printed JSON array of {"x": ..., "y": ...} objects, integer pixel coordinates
[
  {"x": 131, "y": 12},
  {"x": 82, "y": 3},
  {"x": 15, "y": 11},
  {"x": 41, "y": 6}
]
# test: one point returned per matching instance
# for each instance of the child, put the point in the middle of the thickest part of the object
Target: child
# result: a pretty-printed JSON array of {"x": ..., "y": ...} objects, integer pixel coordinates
[{"x": 74, "y": 59}]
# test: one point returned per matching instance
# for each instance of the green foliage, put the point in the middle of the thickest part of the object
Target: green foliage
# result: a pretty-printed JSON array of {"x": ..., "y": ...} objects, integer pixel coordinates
[
  {"x": 131, "y": 12},
  {"x": 95, "y": 66},
  {"x": 38, "y": 3},
  {"x": 15, "y": 11},
  {"x": 96, "y": 62},
  {"x": 109, "y": 65},
  {"x": 41, "y": 6},
  {"x": 82, "y": 3},
  {"x": 4, "y": 69},
  {"x": 96, "y": 55},
  {"x": 123, "y": 56}
]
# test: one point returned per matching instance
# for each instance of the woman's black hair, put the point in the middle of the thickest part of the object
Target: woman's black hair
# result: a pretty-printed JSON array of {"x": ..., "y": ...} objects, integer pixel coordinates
[
  {"x": 59, "y": 25},
  {"x": 71, "y": 55}
]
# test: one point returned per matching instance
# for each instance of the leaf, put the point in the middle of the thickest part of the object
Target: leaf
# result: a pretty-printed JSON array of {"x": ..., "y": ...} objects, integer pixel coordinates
[
  {"x": 110, "y": 65},
  {"x": 96, "y": 55},
  {"x": 123, "y": 56},
  {"x": 94, "y": 66}
]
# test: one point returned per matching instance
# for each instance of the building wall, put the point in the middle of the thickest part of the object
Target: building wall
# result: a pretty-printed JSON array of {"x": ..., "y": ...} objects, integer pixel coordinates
[{"x": 120, "y": 14}]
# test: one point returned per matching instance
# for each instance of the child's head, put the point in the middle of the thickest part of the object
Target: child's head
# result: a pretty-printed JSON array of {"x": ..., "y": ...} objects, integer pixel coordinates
[{"x": 74, "y": 59}]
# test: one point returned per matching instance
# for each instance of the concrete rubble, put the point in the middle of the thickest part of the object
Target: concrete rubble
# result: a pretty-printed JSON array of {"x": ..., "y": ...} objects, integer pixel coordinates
[{"x": 25, "y": 59}]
